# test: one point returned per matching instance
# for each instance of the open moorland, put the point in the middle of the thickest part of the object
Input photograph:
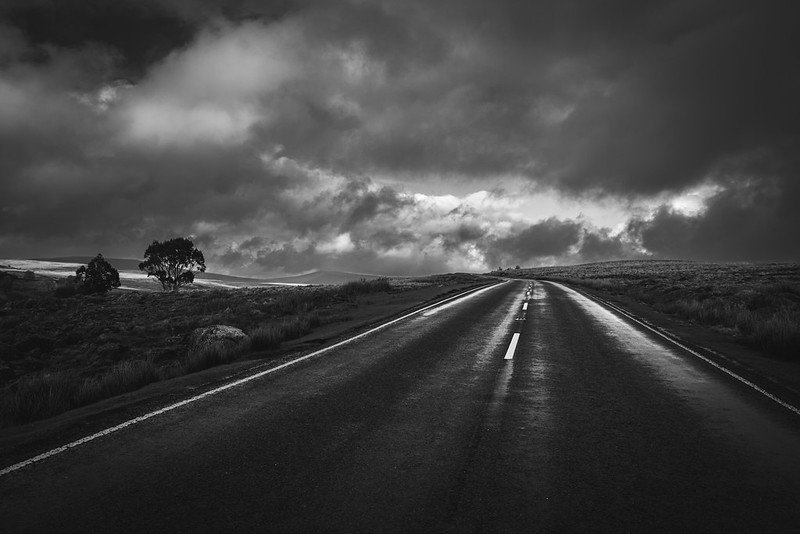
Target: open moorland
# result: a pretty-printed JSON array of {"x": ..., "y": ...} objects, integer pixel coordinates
[
  {"x": 61, "y": 352},
  {"x": 757, "y": 303}
]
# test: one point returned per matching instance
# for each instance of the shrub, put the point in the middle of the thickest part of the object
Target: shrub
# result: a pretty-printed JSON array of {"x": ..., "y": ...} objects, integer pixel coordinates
[{"x": 97, "y": 277}]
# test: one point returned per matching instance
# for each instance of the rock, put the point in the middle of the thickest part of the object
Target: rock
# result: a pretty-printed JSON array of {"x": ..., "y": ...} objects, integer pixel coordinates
[{"x": 218, "y": 335}]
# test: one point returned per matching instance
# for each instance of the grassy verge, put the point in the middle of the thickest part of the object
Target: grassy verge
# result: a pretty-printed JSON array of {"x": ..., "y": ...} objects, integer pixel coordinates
[
  {"x": 759, "y": 304},
  {"x": 62, "y": 353}
]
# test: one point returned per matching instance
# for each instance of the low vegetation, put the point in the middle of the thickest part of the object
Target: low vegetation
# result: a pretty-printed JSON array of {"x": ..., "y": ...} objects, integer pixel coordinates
[
  {"x": 758, "y": 303},
  {"x": 63, "y": 352},
  {"x": 98, "y": 276}
]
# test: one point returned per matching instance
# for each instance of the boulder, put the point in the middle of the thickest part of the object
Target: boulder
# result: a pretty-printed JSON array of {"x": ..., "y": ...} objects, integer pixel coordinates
[{"x": 218, "y": 335}]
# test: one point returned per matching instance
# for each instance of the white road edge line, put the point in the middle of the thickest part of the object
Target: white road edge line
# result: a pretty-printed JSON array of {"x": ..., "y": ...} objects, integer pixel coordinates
[
  {"x": 512, "y": 347},
  {"x": 458, "y": 300},
  {"x": 725, "y": 370},
  {"x": 130, "y": 422}
]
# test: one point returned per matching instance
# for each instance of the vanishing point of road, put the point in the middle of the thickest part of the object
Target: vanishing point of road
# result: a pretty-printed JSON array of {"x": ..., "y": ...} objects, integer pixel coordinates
[{"x": 523, "y": 407}]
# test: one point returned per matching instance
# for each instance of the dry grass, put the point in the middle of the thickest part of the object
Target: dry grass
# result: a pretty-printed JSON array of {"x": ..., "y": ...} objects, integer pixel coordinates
[
  {"x": 58, "y": 353},
  {"x": 41, "y": 395},
  {"x": 272, "y": 335},
  {"x": 758, "y": 303}
]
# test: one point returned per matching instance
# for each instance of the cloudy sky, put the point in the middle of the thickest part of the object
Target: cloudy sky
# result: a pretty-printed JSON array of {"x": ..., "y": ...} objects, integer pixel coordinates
[{"x": 400, "y": 137}]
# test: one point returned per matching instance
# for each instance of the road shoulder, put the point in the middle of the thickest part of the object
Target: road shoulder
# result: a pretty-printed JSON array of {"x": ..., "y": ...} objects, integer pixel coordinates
[{"x": 778, "y": 377}]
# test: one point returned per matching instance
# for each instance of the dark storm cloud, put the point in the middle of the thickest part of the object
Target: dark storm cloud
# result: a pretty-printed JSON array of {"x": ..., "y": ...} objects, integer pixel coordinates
[
  {"x": 75, "y": 170},
  {"x": 165, "y": 189},
  {"x": 361, "y": 204},
  {"x": 686, "y": 100},
  {"x": 356, "y": 203},
  {"x": 549, "y": 238},
  {"x": 619, "y": 97},
  {"x": 469, "y": 232},
  {"x": 756, "y": 221},
  {"x": 121, "y": 122},
  {"x": 137, "y": 32},
  {"x": 599, "y": 246},
  {"x": 463, "y": 234}
]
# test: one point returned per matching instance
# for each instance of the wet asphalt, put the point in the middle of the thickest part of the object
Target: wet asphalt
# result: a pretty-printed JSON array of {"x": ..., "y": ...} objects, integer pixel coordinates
[{"x": 592, "y": 425}]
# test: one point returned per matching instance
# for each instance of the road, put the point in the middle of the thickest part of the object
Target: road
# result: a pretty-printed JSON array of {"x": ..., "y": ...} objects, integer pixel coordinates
[{"x": 431, "y": 424}]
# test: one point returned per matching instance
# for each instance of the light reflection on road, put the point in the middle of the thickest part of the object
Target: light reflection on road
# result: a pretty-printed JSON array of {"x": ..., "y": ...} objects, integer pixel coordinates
[
  {"x": 733, "y": 412},
  {"x": 539, "y": 410},
  {"x": 539, "y": 294}
]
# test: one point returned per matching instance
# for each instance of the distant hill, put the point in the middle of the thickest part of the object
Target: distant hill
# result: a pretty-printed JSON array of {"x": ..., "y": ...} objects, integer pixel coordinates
[
  {"x": 316, "y": 277},
  {"x": 119, "y": 263},
  {"x": 124, "y": 264},
  {"x": 323, "y": 277}
]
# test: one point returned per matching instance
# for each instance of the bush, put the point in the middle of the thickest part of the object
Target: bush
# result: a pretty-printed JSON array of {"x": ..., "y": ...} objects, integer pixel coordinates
[{"x": 97, "y": 277}]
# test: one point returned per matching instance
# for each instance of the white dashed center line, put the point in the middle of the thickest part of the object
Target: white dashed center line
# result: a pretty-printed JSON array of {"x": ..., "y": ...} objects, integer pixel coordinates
[{"x": 512, "y": 347}]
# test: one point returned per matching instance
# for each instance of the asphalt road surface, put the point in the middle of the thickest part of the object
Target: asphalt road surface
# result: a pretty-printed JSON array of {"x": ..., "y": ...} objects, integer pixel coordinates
[{"x": 499, "y": 413}]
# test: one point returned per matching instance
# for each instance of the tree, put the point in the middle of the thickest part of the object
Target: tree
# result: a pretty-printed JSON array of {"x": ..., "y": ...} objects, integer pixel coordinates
[
  {"x": 97, "y": 277},
  {"x": 173, "y": 262}
]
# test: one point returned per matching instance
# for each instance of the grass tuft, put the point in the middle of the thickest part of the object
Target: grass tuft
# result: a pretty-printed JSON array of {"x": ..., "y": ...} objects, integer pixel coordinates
[
  {"x": 270, "y": 336},
  {"x": 37, "y": 397},
  {"x": 214, "y": 355},
  {"x": 46, "y": 394}
]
